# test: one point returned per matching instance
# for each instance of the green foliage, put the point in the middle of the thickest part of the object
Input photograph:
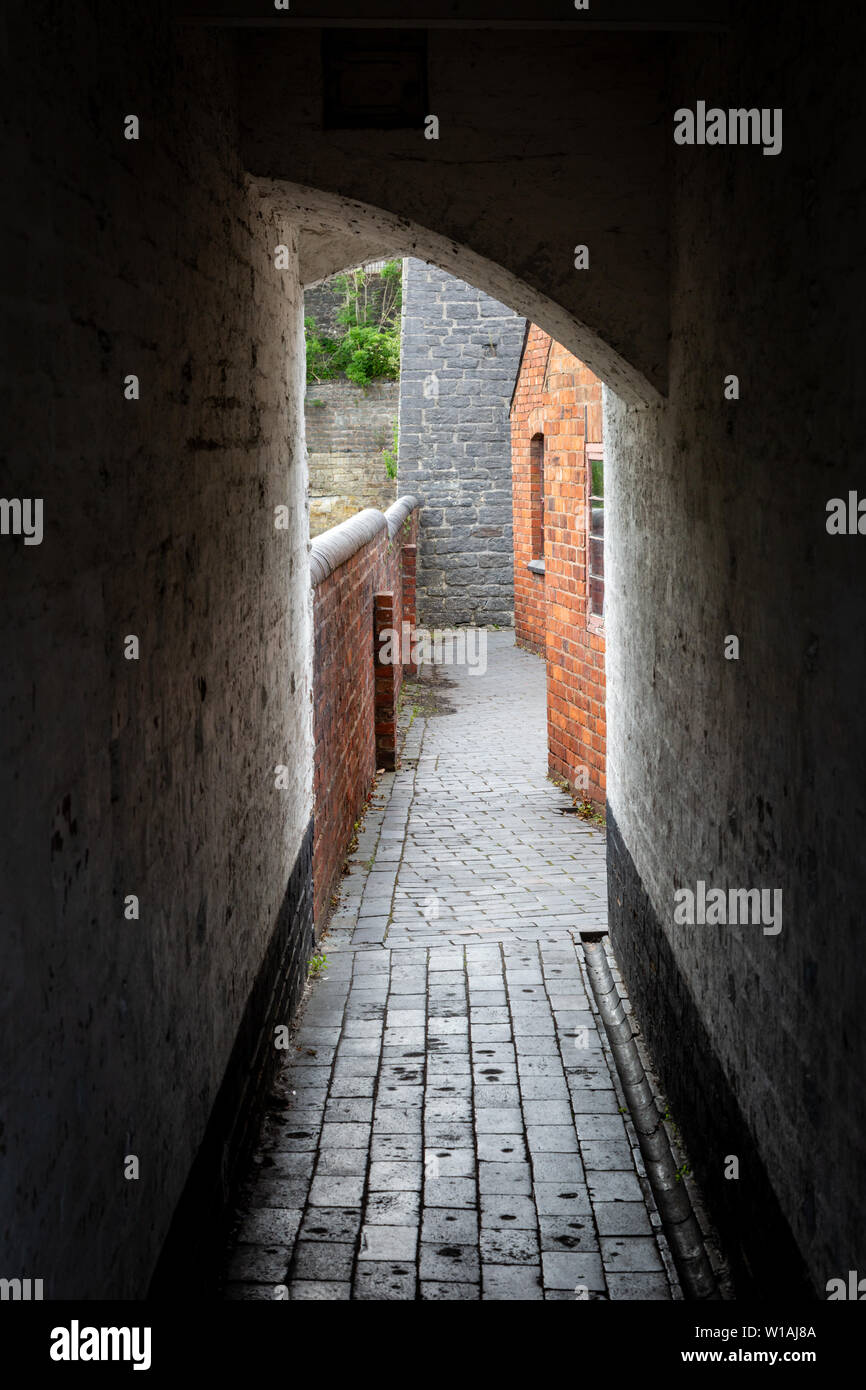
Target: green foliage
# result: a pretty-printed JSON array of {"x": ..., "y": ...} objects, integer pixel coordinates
[
  {"x": 393, "y": 270},
  {"x": 587, "y": 811},
  {"x": 365, "y": 353},
  {"x": 318, "y": 352},
  {"x": 315, "y": 966},
  {"x": 390, "y": 457},
  {"x": 369, "y": 347}
]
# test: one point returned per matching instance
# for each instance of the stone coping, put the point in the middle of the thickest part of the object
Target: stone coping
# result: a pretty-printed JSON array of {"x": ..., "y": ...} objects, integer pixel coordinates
[
  {"x": 398, "y": 512},
  {"x": 338, "y": 544}
]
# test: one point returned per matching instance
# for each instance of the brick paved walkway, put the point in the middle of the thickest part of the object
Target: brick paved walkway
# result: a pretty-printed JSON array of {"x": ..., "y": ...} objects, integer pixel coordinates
[{"x": 449, "y": 1125}]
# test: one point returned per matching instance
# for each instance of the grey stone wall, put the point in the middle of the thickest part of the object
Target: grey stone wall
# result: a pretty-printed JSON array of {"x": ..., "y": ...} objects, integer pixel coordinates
[{"x": 460, "y": 353}]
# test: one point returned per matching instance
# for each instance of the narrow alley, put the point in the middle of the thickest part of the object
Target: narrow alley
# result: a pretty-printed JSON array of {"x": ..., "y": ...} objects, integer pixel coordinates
[
  {"x": 449, "y": 1124},
  {"x": 332, "y": 325}
]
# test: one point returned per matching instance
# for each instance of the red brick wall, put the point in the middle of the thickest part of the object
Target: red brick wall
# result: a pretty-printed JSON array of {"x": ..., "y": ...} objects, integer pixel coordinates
[
  {"x": 354, "y": 698},
  {"x": 526, "y": 420},
  {"x": 557, "y": 396}
]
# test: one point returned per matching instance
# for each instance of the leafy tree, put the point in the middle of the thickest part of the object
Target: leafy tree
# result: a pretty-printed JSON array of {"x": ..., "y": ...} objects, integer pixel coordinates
[{"x": 369, "y": 347}]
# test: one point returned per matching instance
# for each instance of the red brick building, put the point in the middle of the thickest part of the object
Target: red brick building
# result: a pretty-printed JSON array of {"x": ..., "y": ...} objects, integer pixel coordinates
[{"x": 558, "y": 489}]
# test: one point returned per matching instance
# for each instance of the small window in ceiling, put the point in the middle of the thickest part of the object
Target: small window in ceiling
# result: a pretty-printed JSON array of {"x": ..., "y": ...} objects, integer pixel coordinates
[{"x": 374, "y": 79}]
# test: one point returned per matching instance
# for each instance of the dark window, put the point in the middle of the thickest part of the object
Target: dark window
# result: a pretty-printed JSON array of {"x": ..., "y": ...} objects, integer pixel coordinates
[
  {"x": 596, "y": 536},
  {"x": 374, "y": 79},
  {"x": 536, "y": 493}
]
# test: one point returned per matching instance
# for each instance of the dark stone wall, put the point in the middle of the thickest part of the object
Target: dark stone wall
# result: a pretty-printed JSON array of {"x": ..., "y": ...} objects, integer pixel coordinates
[{"x": 323, "y": 303}]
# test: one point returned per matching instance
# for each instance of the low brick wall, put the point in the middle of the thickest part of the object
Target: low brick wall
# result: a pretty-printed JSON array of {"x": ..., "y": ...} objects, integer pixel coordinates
[{"x": 363, "y": 576}]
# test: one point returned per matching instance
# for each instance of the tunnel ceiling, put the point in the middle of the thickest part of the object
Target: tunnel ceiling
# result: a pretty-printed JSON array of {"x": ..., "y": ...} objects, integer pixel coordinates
[{"x": 614, "y": 14}]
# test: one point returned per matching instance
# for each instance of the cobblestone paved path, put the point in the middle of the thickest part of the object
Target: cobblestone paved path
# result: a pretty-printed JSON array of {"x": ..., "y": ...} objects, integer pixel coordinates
[{"x": 449, "y": 1124}]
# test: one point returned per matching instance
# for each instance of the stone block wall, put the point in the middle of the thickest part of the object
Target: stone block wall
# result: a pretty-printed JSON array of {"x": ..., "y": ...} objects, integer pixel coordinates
[
  {"x": 347, "y": 428},
  {"x": 323, "y": 302},
  {"x": 359, "y": 570},
  {"x": 460, "y": 352}
]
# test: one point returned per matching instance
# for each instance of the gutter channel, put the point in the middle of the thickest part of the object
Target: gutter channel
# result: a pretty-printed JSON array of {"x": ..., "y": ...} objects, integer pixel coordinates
[{"x": 671, "y": 1195}]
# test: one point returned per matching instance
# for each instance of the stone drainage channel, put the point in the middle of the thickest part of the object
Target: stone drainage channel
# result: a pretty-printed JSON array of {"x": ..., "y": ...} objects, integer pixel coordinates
[{"x": 670, "y": 1192}]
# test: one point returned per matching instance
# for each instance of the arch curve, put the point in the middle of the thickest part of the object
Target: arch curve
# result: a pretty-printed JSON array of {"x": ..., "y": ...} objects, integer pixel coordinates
[{"x": 336, "y": 233}]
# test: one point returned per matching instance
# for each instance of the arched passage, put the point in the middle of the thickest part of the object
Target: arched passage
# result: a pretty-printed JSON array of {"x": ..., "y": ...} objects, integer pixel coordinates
[{"x": 181, "y": 779}]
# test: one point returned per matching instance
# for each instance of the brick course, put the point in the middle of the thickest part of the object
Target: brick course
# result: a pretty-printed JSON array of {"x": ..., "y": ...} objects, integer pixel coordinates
[
  {"x": 559, "y": 398},
  {"x": 354, "y": 697}
]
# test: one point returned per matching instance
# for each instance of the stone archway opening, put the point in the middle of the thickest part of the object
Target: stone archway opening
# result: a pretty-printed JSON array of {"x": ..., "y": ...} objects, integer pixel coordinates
[{"x": 336, "y": 233}]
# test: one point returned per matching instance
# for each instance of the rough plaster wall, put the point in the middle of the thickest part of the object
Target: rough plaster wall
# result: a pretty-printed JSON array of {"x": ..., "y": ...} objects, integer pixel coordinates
[
  {"x": 152, "y": 777},
  {"x": 749, "y": 773},
  {"x": 459, "y": 356}
]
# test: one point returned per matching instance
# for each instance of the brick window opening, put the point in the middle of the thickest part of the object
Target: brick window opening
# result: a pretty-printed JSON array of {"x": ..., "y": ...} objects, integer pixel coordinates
[
  {"x": 536, "y": 488},
  {"x": 595, "y": 534}
]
